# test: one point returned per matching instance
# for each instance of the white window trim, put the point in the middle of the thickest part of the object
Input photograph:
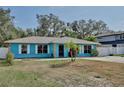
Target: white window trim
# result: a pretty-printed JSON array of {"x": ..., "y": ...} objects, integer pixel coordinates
[
  {"x": 82, "y": 49},
  {"x": 20, "y": 46},
  {"x": 36, "y": 49},
  {"x": 28, "y": 49},
  {"x": 80, "y": 46},
  {"x": 20, "y": 49},
  {"x": 92, "y": 46}
]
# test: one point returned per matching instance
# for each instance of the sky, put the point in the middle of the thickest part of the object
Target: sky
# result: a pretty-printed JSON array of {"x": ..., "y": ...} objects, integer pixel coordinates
[{"x": 25, "y": 17}]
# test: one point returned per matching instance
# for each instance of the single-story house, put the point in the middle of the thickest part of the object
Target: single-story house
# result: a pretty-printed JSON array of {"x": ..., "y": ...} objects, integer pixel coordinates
[{"x": 47, "y": 47}]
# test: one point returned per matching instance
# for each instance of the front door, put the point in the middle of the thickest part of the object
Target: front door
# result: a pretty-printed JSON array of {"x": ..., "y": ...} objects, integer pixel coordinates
[{"x": 61, "y": 50}]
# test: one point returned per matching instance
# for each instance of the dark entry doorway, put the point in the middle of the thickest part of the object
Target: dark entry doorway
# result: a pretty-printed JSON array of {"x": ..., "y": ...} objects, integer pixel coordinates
[{"x": 61, "y": 50}]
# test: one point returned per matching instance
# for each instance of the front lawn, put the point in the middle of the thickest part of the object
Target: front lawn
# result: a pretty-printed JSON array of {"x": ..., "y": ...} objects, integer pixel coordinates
[{"x": 32, "y": 73}]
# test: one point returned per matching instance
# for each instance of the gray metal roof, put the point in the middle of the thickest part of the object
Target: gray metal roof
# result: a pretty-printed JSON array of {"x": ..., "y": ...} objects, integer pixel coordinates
[
  {"x": 38, "y": 39},
  {"x": 110, "y": 34}
]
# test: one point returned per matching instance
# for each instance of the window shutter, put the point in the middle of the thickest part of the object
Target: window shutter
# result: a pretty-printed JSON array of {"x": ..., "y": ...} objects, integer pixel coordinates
[
  {"x": 28, "y": 49},
  {"x": 92, "y": 47},
  {"x": 48, "y": 49},
  {"x": 82, "y": 48},
  {"x": 36, "y": 49},
  {"x": 19, "y": 49}
]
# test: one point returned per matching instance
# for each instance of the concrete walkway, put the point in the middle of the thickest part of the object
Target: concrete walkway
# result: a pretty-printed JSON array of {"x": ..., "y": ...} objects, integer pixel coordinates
[{"x": 107, "y": 58}]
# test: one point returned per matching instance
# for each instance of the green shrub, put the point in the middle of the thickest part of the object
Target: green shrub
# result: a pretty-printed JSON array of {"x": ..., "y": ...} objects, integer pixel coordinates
[
  {"x": 94, "y": 52},
  {"x": 9, "y": 58},
  {"x": 90, "y": 38},
  {"x": 111, "y": 54}
]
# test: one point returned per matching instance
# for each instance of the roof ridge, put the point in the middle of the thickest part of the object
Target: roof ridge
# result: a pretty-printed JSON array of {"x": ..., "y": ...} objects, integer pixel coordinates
[{"x": 39, "y": 39}]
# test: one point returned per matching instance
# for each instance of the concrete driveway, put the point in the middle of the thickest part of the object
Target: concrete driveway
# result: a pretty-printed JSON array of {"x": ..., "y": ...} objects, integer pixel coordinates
[{"x": 116, "y": 59}]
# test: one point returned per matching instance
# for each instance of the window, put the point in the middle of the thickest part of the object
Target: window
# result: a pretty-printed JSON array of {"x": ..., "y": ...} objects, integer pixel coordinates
[
  {"x": 42, "y": 49},
  {"x": 122, "y": 36},
  {"x": 114, "y": 45},
  {"x": 24, "y": 49},
  {"x": 87, "y": 49},
  {"x": 45, "y": 49}
]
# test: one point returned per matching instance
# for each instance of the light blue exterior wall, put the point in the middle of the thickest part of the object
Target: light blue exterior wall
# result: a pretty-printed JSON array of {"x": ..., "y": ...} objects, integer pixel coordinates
[
  {"x": 66, "y": 50},
  {"x": 14, "y": 48},
  {"x": 51, "y": 49},
  {"x": 57, "y": 50}
]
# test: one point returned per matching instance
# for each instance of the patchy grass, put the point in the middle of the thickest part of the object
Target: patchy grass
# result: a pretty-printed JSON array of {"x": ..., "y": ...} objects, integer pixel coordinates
[
  {"x": 121, "y": 55},
  {"x": 55, "y": 64},
  {"x": 35, "y": 73}
]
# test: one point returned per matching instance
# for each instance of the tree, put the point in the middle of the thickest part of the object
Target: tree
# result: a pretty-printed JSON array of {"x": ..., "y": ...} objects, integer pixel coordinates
[
  {"x": 73, "y": 49},
  {"x": 90, "y": 27},
  {"x": 49, "y": 25},
  {"x": 6, "y": 25},
  {"x": 90, "y": 38},
  {"x": 21, "y": 33},
  {"x": 100, "y": 27},
  {"x": 29, "y": 32},
  {"x": 7, "y": 28},
  {"x": 69, "y": 33}
]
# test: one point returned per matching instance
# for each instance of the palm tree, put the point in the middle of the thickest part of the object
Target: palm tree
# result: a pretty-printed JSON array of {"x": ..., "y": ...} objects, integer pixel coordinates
[{"x": 73, "y": 50}]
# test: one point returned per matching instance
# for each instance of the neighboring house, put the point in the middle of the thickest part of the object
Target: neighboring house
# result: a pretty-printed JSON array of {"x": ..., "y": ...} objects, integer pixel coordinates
[
  {"x": 112, "y": 43},
  {"x": 113, "y": 39},
  {"x": 47, "y": 47}
]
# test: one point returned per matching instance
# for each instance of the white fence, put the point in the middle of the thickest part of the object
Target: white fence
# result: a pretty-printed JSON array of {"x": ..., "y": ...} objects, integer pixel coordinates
[
  {"x": 3, "y": 52},
  {"x": 105, "y": 51}
]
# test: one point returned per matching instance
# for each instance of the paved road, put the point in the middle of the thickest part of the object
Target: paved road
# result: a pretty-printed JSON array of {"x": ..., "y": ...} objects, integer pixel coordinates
[{"x": 107, "y": 58}]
